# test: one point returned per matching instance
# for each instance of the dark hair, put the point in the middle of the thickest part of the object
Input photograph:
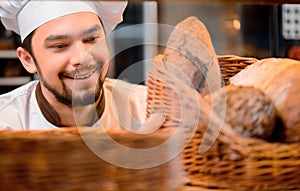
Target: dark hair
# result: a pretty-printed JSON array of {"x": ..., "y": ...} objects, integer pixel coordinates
[{"x": 27, "y": 43}]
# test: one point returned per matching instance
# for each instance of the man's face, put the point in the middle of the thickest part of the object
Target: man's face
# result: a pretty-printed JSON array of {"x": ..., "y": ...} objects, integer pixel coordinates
[{"x": 66, "y": 67}]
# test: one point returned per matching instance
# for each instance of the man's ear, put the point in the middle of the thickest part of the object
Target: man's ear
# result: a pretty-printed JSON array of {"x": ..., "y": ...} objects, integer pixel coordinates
[{"x": 26, "y": 60}]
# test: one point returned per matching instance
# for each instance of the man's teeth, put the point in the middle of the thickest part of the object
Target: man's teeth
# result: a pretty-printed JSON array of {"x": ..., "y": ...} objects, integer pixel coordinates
[
  {"x": 78, "y": 77},
  {"x": 84, "y": 76}
]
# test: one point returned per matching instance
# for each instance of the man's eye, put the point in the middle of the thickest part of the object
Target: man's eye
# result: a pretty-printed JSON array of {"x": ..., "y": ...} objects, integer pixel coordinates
[
  {"x": 60, "y": 46},
  {"x": 91, "y": 39}
]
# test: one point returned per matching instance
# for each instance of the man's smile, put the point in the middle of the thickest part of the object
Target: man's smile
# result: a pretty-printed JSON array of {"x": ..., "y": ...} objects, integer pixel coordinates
[
  {"x": 80, "y": 76},
  {"x": 82, "y": 72}
]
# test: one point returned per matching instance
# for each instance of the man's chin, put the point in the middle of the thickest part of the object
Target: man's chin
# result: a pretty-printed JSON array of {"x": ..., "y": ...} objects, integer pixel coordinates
[
  {"x": 86, "y": 93},
  {"x": 84, "y": 100}
]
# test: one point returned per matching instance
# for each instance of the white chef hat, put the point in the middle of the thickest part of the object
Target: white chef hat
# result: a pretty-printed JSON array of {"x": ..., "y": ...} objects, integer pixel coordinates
[{"x": 24, "y": 16}]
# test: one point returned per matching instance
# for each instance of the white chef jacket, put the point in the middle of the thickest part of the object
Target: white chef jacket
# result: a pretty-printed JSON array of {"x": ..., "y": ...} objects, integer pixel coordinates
[{"x": 125, "y": 104}]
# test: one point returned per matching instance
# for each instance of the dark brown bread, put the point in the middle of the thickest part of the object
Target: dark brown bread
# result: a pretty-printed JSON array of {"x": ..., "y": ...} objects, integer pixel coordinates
[
  {"x": 248, "y": 110},
  {"x": 280, "y": 80}
]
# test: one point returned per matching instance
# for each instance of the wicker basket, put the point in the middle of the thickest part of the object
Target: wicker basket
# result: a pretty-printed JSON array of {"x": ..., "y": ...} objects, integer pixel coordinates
[
  {"x": 239, "y": 163},
  {"x": 233, "y": 162},
  {"x": 60, "y": 160},
  {"x": 231, "y": 65}
]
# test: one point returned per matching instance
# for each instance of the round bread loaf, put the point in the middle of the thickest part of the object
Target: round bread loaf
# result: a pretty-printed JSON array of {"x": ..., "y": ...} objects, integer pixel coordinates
[
  {"x": 278, "y": 78},
  {"x": 248, "y": 110}
]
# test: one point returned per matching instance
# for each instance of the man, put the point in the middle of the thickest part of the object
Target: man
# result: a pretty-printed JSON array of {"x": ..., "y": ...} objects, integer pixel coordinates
[{"x": 63, "y": 42}]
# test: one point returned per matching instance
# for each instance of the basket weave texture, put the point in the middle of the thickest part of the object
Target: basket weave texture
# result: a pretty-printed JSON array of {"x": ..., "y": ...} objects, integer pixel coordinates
[
  {"x": 233, "y": 162},
  {"x": 239, "y": 163},
  {"x": 60, "y": 160},
  {"x": 232, "y": 64}
]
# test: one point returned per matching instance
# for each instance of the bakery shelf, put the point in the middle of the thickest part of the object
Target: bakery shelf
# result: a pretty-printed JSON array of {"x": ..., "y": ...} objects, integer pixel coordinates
[
  {"x": 14, "y": 81},
  {"x": 257, "y": 2},
  {"x": 8, "y": 54}
]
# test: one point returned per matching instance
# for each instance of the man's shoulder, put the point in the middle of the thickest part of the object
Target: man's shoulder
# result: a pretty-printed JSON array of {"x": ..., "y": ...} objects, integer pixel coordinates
[
  {"x": 126, "y": 104},
  {"x": 17, "y": 96},
  {"x": 116, "y": 83},
  {"x": 121, "y": 89}
]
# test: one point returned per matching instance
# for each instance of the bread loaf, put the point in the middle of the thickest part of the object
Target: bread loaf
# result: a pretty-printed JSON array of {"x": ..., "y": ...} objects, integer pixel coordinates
[
  {"x": 248, "y": 110},
  {"x": 280, "y": 80},
  {"x": 190, "y": 56}
]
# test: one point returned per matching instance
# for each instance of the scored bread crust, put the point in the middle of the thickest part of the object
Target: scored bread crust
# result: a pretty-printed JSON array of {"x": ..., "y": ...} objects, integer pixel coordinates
[{"x": 191, "y": 55}]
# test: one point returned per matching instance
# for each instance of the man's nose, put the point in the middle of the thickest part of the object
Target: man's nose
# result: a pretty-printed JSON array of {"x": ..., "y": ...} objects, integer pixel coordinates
[{"x": 79, "y": 51}]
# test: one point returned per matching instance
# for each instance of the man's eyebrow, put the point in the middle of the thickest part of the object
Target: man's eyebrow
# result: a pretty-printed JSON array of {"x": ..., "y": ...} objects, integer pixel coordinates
[
  {"x": 54, "y": 37},
  {"x": 93, "y": 29}
]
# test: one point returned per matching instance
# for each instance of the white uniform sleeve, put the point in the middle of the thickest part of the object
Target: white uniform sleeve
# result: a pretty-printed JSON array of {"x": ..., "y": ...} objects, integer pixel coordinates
[{"x": 125, "y": 105}]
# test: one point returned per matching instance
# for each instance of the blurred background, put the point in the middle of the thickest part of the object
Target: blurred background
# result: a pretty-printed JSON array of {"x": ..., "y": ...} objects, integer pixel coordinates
[{"x": 252, "y": 30}]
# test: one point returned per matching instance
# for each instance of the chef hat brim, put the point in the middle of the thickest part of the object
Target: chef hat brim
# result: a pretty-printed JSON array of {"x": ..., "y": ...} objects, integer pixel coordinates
[{"x": 24, "y": 16}]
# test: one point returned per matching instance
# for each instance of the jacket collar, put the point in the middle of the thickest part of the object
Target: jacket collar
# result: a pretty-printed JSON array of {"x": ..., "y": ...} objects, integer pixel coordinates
[{"x": 51, "y": 115}]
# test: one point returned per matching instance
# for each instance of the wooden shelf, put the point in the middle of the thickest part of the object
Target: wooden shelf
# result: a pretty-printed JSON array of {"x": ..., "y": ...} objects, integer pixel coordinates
[
  {"x": 257, "y": 2},
  {"x": 6, "y": 54},
  {"x": 14, "y": 81}
]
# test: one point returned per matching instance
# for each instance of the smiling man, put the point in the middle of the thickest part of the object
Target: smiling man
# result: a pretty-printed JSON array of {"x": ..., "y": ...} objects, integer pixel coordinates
[{"x": 64, "y": 43}]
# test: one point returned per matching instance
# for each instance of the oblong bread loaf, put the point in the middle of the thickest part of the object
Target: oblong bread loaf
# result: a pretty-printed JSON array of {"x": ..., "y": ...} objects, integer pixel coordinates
[{"x": 191, "y": 54}]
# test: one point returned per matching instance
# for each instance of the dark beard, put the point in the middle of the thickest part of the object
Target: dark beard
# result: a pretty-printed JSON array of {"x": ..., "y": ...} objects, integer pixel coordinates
[
  {"x": 68, "y": 98},
  {"x": 89, "y": 98}
]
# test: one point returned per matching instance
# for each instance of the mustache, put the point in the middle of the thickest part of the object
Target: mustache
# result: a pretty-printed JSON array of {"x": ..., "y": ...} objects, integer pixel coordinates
[{"x": 83, "y": 69}]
